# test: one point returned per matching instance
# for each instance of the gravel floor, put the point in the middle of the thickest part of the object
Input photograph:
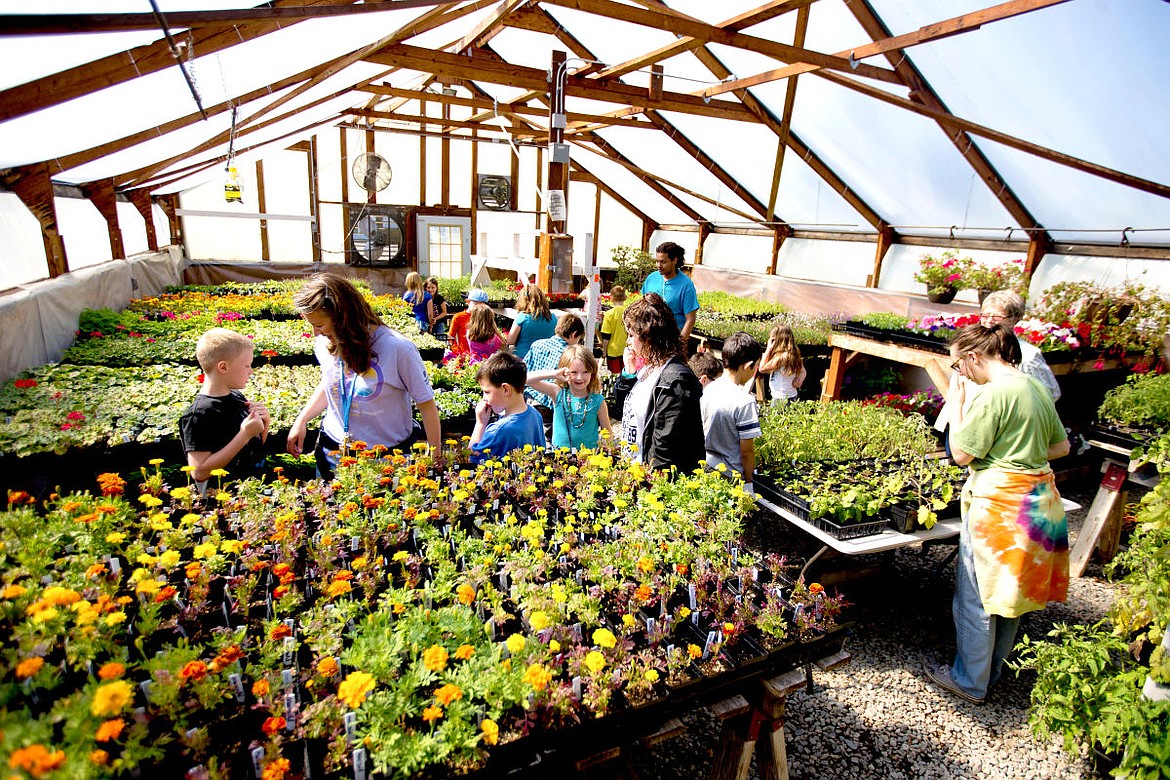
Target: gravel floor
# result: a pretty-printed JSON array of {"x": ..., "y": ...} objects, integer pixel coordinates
[{"x": 878, "y": 716}]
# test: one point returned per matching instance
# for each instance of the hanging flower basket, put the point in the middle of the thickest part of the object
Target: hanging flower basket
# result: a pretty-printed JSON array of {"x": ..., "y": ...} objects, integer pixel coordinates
[{"x": 941, "y": 294}]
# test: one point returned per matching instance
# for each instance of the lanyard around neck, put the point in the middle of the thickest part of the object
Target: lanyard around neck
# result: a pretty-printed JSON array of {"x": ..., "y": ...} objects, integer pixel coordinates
[{"x": 346, "y": 398}]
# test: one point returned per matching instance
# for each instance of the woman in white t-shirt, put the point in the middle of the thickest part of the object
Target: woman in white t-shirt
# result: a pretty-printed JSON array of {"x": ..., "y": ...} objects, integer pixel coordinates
[
  {"x": 657, "y": 397},
  {"x": 370, "y": 374}
]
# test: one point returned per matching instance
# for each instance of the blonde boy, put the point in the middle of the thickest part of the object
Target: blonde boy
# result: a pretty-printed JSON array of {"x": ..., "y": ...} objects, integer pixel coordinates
[{"x": 221, "y": 429}]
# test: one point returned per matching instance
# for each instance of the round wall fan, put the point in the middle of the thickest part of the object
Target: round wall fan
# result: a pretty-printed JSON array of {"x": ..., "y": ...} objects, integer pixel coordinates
[
  {"x": 371, "y": 172},
  {"x": 495, "y": 192}
]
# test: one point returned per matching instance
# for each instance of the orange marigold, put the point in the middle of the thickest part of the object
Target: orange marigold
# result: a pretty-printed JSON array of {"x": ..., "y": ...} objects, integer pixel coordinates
[
  {"x": 465, "y": 594},
  {"x": 464, "y": 652},
  {"x": 448, "y": 693},
  {"x": 29, "y": 666},
  {"x": 276, "y": 770},
  {"x": 37, "y": 760},
  {"x": 99, "y": 757},
  {"x": 537, "y": 676},
  {"x": 111, "y": 729},
  {"x": 193, "y": 671},
  {"x": 431, "y": 714},
  {"x": 260, "y": 689},
  {"x": 327, "y": 667},
  {"x": 111, "y": 671},
  {"x": 274, "y": 725}
]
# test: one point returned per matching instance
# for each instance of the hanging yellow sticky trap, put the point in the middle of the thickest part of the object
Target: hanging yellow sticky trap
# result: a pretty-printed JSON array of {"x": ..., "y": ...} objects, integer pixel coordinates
[{"x": 232, "y": 192}]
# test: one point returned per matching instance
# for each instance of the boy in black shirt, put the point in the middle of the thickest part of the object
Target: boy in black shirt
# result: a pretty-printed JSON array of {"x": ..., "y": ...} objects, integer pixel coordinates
[{"x": 221, "y": 429}]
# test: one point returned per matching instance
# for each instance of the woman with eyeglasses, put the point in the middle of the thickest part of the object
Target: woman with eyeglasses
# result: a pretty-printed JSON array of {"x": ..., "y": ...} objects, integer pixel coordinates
[
  {"x": 1013, "y": 546},
  {"x": 370, "y": 374},
  {"x": 1006, "y": 308}
]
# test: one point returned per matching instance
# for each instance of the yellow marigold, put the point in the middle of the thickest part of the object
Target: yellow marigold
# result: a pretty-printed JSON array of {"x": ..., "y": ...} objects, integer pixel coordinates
[
  {"x": 399, "y": 556},
  {"x": 651, "y": 675},
  {"x": 465, "y": 594},
  {"x": 170, "y": 559},
  {"x": 42, "y": 614},
  {"x": 60, "y": 597},
  {"x": 354, "y": 688},
  {"x": 218, "y": 472},
  {"x": 149, "y": 587},
  {"x": 111, "y": 729},
  {"x": 111, "y": 698},
  {"x": 538, "y": 620},
  {"x": 360, "y": 563},
  {"x": 29, "y": 666},
  {"x": 117, "y": 537},
  {"x": 205, "y": 550},
  {"x": 181, "y": 493},
  {"x": 514, "y": 643},
  {"x": 231, "y": 546},
  {"x": 155, "y": 461},
  {"x": 554, "y": 646},
  {"x": 603, "y": 637},
  {"x": 111, "y": 671},
  {"x": 537, "y": 676},
  {"x": 447, "y": 694},
  {"x": 114, "y": 618},
  {"x": 594, "y": 661},
  {"x": 491, "y": 731},
  {"x": 628, "y": 620},
  {"x": 327, "y": 667},
  {"x": 275, "y": 770},
  {"x": 13, "y": 592},
  {"x": 463, "y": 652},
  {"x": 435, "y": 658}
]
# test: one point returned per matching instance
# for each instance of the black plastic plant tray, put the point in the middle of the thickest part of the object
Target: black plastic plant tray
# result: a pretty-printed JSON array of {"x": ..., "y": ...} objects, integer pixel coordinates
[
  {"x": 903, "y": 518},
  {"x": 851, "y": 531}
]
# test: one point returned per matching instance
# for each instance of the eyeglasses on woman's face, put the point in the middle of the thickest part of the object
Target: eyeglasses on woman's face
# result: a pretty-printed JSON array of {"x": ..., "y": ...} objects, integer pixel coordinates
[{"x": 991, "y": 318}]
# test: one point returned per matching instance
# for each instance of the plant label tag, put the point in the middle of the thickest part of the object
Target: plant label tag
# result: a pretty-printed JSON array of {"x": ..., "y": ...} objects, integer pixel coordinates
[
  {"x": 755, "y": 574},
  {"x": 146, "y": 686},
  {"x": 491, "y": 629},
  {"x": 115, "y": 566},
  {"x": 290, "y": 711},
  {"x": 290, "y": 646},
  {"x": 286, "y": 677},
  {"x": 503, "y": 580},
  {"x": 734, "y": 555},
  {"x": 712, "y": 640},
  {"x": 257, "y": 761},
  {"x": 350, "y": 721},
  {"x": 359, "y": 764},
  {"x": 691, "y": 598},
  {"x": 650, "y": 623},
  {"x": 198, "y": 773},
  {"x": 355, "y": 543},
  {"x": 576, "y": 687},
  {"x": 237, "y": 684}
]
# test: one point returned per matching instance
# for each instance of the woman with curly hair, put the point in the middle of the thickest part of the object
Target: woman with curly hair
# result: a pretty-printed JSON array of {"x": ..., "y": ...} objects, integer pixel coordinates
[
  {"x": 657, "y": 397},
  {"x": 370, "y": 374},
  {"x": 534, "y": 322}
]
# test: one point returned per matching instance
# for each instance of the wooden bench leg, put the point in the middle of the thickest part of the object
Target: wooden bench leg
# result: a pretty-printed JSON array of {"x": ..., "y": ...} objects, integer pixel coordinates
[
  {"x": 740, "y": 729},
  {"x": 773, "y": 756}
]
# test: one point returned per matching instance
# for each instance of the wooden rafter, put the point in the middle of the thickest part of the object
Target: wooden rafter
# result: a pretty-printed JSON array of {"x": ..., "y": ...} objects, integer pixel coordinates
[
  {"x": 32, "y": 185},
  {"x": 487, "y": 69},
  {"x": 786, "y": 120},
  {"x": 910, "y": 77},
  {"x": 141, "y": 201},
  {"x": 931, "y": 32},
  {"x": 663, "y": 18},
  {"x": 105, "y": 200},
  {"x": 118, "y": 68},
  {"x": 68, "y": 24},
  {"x": 734, "y": 24},
  {"x": 398, "y": 116},
  {"x": 489, "y": 26}
]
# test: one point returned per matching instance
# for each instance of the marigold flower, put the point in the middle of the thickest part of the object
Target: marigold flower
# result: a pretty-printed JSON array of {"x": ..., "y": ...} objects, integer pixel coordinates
[
  {"x": 193, "y": 671},
  {"x": 816, "y": 588},
  {"x": 327, "y": 666},
  {"x": 643, "y": 593},
  {"x": 465, "y": 594},
  {"x": 594, "y": 661},
  {"x": 435, "y": 658},
  {"x": 537, "y": 676},
  {"x": 514, "y": 643},
  {"x": 13, "y": 592},
  {"x": 99, "y": 757},
  {"x": 111, "y": 671},
  {"x": 228, "y": 656},
  {"x": 447, "y": 694},
  {"x": 339, "y": 588},
  {"x": 37, "y": 760},
  {"x": 59, "y": 596},
  {"x": 628, "y": 620},
  {"x": 463, "y": 652},
  {"x": 431, "y": 714},
  {"x": 111, "y": 698},
  {"x": 111, "y": 729},
  {"x": 260, "y": 689},
  {"x": 276, "y": 770},
  {"x": 280, "y": 632},
  {"x": 603, "y": 637},
  {"x": 491, "y": 732},
  {"x": 29, "y": 666},
  {"x": 274, "y": 725},
  {"x": 354, "y": 688},
  {"x": 694, "y": 651},
  {"x": 651, "y": 675}
]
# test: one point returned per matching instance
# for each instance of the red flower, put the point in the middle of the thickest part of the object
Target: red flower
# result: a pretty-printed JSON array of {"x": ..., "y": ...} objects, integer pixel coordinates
[
  {"x": 194, "y": 670},
  {"x": 280, "y": 632},
  {"x": 24, "y": 384},
  {"x": 269, "y": 353},
  {"x": 200, "y": 378},
  {"x": 75, "y": 416}
]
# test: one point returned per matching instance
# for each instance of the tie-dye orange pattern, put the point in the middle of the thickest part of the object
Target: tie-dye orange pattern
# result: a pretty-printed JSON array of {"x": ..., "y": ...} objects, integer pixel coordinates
[{"x": 1019, "y": 537}]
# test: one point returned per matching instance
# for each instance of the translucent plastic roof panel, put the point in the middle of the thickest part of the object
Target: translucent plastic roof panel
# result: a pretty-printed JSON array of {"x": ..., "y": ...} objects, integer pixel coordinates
[
  {"x": 661, "y": 157},
  {"x": 610, "y": 41},
  {"x": 630, "y": 186},
  {"x": 803, "y": 200}
]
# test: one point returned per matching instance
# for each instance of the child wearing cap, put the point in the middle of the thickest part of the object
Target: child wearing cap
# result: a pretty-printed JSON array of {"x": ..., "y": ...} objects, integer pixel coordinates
[{"x": 458, "y": 330}]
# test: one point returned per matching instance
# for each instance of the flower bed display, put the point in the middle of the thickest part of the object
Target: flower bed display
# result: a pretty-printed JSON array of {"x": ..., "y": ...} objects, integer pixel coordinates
[
  {"x": 411, "y": 618},
  {"x": 933, "y": 332}
]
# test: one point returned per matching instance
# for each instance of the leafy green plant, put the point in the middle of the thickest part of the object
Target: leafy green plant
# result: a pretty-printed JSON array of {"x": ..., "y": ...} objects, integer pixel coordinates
[
  {"x": 884, "y": 320},
  {"x": 810, "y": 430},
  {"x": 1143, "y": 401},
  {"x": 735, "y": 305},
  {"x": 633, "y": 266}
]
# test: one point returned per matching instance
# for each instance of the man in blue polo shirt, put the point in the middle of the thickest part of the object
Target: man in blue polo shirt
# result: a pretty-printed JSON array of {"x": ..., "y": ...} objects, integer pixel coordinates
[{"x": 675, "y": 287}]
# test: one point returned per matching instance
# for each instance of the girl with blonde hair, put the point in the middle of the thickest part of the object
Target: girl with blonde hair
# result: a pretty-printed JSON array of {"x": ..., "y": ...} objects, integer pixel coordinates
[
  {"x": 783, "y": 363},
  {"x": 579, "y": 409},
  {"x": 419, "y": 300},
  {"x": 483, "y": 336},
  {"x": 534, "y": 321}
]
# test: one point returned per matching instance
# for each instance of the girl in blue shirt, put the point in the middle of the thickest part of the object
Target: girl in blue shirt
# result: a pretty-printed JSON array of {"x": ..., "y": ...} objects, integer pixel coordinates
[
  {"x": 579, "y": 409},
  {"x": 419, "y": 300}
]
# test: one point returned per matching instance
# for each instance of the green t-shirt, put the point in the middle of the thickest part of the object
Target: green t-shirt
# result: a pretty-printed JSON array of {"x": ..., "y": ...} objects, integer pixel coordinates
[{"x": 1010, "y": 424}]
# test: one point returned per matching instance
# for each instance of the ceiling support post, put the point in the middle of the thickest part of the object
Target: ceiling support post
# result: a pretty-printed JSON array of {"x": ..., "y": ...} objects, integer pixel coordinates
[
  {"x": 141, "y": 200},
  {"x": 885, "y": 240},
  {"x": 105, "y": 200},
  {"x": 34, "y": 187}
]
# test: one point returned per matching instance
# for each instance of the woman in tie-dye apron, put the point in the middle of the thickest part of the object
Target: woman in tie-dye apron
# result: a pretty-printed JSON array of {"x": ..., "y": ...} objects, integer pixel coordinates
[{"x": 1013, "y": 548}]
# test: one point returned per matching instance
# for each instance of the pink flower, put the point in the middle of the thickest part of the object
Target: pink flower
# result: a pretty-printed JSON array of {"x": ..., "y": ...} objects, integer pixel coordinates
[
  {"x": 66, "y": 426},
  {"x": 75, "y": 416}
]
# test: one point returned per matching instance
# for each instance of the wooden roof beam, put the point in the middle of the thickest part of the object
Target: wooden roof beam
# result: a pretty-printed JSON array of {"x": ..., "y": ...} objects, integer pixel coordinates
[
  {"x": 734, "y": 24},
  {"x": 680, "y": 24},
  {"x": 57, "y": 88},
  {"x": 931, "y": 32},
  {"x": 32, "y": 185},
  {"x": 481, "y": 68}
]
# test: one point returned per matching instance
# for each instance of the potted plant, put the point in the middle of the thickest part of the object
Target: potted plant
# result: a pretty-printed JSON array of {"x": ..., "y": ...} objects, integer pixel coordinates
[
  {"x": 943, "y": 275},
  {"x": 985, "y": 279}
]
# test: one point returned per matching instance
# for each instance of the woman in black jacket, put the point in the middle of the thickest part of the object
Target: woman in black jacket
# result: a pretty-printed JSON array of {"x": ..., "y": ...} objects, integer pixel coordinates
[{"x": 657, "y": 397}]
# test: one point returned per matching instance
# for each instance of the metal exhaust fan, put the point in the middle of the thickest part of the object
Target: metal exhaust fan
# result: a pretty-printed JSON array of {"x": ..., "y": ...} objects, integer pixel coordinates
[
  {"x": 494, "y": 192},
  {"x": 371, "y": 172}
]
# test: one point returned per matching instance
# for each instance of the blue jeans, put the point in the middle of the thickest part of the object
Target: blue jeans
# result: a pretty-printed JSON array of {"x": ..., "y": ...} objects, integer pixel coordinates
[{"x": 983, "y": 641}]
